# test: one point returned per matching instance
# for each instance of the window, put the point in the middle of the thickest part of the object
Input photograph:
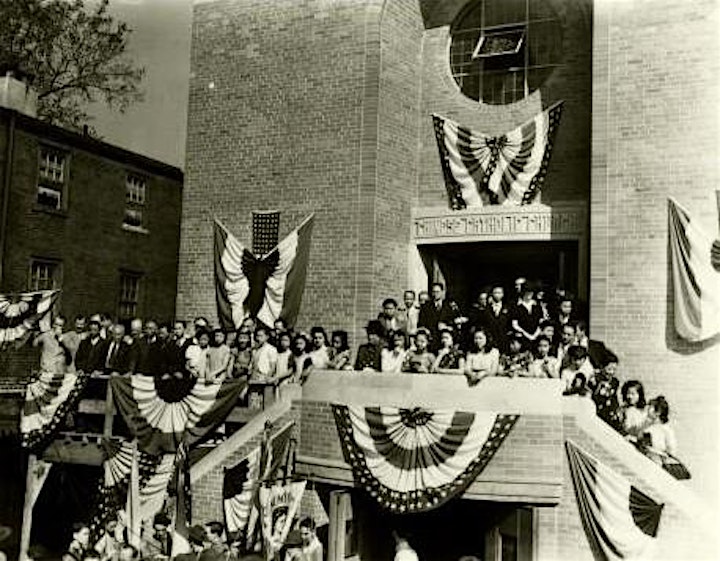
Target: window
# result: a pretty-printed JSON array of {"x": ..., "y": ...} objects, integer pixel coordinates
[
  {"x": 44, "y": 275},
  {"x": 503, "y": 50},
  {"x": 129, "y": 295},
  {"x": 135, "y": 188},
  {"x": 52, "y": 172}
]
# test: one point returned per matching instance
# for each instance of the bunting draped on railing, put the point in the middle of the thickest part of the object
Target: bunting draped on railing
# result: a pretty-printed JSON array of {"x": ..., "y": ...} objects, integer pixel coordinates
[
  {"x": 48, "y": 399},
  {"x": 19, "y": 314},
  {"x": 161, "y": 425},
  {"x": 412, "y": 460},
  {"x": 481, "y": 169},
  {"x": 696, "y": 281},
  {"x": 620, "y": 521}
]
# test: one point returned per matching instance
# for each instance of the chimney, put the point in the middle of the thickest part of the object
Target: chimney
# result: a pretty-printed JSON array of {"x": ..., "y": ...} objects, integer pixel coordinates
[{"x": 17, "y": 93}]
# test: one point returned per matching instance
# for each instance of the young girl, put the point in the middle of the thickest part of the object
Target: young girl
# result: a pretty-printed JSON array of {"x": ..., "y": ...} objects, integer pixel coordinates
[
  {"x": 340, "y": 352},
  {"x": 243, "y": 354},
  {"x": 634, "y": 411},
  {"x": 218, "y": 359},
  {"x": 420, "y": 360},
  {"x": 301, "y": 361},
  {"x": 321, "y": 353},
  {"x": 483, "y": 360},
  {"x": 283, "y": 367},
  {"x": 449, "y": 359},
  {"x": 391, "y": 360},
  {"x": 658, "y": 437}
]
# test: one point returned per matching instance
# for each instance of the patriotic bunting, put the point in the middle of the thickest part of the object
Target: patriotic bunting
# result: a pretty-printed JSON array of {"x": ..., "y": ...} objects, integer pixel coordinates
[
  {"x": 160, "y": 425},
  {"x": 268, "y": 288},
  {"x": 510, "y": 169},
  {"x": 48, "y": 399},
  {"x": 696, "y": 281},
  {"x": 620, "y": 521},
  {"x": 413, "y": 460},
  {"x": 24, "y": 312}
]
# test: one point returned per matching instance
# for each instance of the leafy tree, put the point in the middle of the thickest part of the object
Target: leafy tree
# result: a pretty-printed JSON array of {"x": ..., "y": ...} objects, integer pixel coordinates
[{"x": 72, "y": 55}]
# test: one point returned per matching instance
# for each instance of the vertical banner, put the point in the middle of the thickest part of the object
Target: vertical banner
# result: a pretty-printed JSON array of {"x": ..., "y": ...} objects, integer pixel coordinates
[
  {"x": 132, "y": 508},
  {"x": 279, "y": 505}
]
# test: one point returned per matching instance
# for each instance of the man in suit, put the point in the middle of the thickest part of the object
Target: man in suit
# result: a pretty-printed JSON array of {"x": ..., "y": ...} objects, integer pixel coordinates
[
  {"x": 89, "y": 357},
  {"x": 438, "y": 311},
  {"x": 409, "y": 313},
  {"x": 149, "y": 351},
  {"x": 389, "y": 317},
  {"x": 496, "y": 318},
  {"x": 117, "y": 356}
]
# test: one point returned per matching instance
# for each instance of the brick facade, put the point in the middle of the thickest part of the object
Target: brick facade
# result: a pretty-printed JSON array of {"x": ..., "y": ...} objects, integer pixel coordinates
[{"x": 87, "y": 237}]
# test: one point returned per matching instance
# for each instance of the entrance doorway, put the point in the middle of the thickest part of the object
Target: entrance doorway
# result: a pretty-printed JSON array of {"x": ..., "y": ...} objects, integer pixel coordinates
[{"x": 468, "y": 268}]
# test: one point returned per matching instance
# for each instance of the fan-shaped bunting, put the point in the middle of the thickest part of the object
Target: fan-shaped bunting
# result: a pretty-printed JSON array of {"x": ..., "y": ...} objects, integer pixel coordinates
[
  {"x": 412, "y": 460},
  {"x": 160, "y": 425},
  {"x": 480, "y": 169},
  {"x": 48, "y": 399},
  {"x": 21, "y": 313}
]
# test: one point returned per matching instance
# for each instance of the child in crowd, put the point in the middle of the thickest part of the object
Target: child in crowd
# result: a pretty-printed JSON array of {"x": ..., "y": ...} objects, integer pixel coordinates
[
  {"x": 634, "y": 410},
  {"x": 450, "y": 359},
  {"x": 321, "y": 353},
  {"x": 658, "y": 438},
  {"x": 604, "y": 386},
  {"x": 483, "y": 360},
  {"x": 301, "y": 362},
  {"x": 283, "y": 369},
  {"x": 578, "y": 363},
  {"x": 264, "y": 357},
  {"x": 196, "y": 355},
  {"x": 243, "y": 354},
  {"x": 545, "y": 365},
  {"x": 392, "y": 359},
  {"x": 218, "y": 359},
  {"x": 339, "y": 352},
  {"x": 420, "y": 360},
  {"x": 517, "y": 361}
]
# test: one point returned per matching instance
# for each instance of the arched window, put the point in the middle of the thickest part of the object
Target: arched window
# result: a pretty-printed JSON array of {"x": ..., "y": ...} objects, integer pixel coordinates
[{"x": 503, "y": 50}]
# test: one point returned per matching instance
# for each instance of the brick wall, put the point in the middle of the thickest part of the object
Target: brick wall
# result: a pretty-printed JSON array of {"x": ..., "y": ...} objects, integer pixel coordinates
[
  {"x": 655, "y": 134},
  {"x": 88, "y": 238}
]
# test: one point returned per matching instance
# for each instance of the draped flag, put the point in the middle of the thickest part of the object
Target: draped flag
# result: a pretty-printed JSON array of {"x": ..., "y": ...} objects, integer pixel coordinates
[
  {"x": 132, "y": 505},
  {"x": 241, "y": 482},
  {"x": 183, "y": 507},
  {"x": 161, "y": 425},
  {"x": 509, "y": 169},
  {"x": 620, "y": 521},
  {"x": 24, "y": 312},
  {"x": 413, "y": 460},
  {"x": 48, "y": 399},
  {"x": 268, "y": 288},
  {"x": 279, "y": 505},
  {"x": 38, "y": 472},
  {"x": 696, "y": 283}
]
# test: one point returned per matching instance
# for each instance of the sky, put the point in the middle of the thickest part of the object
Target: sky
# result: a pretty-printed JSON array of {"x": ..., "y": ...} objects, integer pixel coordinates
[{"x": 161, "y": 43}]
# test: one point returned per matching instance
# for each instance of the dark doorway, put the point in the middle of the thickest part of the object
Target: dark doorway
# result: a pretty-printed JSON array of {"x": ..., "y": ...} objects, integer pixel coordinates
[{"x": 468, "y": 268}]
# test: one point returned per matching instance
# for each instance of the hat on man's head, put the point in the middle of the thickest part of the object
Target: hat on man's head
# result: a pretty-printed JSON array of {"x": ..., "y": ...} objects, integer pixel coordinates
[
  {"x": 294, "y": 538},
  {"x": 161, "y": 519},
  {"x": 375, "y": 327},
  {"x": 196, "y": 535}
]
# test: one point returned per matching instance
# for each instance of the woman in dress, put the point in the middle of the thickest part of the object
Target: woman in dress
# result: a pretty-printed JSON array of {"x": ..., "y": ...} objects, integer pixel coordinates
[
  {"x": 301, "y": 363},
  {"x": 321, "y": 353},
  {"x": 634, "y": 410},
  {"x": 392, "y": 359},
  {"x": 218, "y": 359},
  {"x": 419, "y": 360},
  {"x": 196, "y": 356},
  {"x": 283, "y": 369},
  {"x": 605, "y": 386},
  {"x": 450, "y": 359},
  {"x": 243, "y": 354},
  {"x": 658, "y": 438},
  {"x": 483, "y": 360},
  {"x": 340, "y": 352}
]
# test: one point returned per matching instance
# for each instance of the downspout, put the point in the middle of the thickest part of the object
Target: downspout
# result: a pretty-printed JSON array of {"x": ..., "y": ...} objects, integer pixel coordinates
[{"x": 7, "y": 180}]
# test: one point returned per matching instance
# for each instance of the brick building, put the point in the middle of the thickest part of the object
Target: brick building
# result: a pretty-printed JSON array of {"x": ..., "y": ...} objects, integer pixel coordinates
[
  {"x": 99, "y": 222},
  {"x": 325, "y": 106}
]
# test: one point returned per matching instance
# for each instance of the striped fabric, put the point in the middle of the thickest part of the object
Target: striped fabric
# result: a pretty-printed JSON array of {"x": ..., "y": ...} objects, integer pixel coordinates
[
  {"x": 265, "y": 231},
  {"x": 24, "y": 312},
  {"x": 265, "y": 288},
  {"x": 413, "y": 460},
  {"x": 159, "y": 425},
  {"x": 510, "y": 169},
  {"x": 48, "y": 399},
  {"x": 696, "y": 282},
  {"x": 279, "y": 505},
  {"x": 620, "y": 521}
]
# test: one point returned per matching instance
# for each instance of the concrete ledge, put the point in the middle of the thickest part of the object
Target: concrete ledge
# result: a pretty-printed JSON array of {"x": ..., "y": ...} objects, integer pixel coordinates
[{"x": 505, "y": 395}]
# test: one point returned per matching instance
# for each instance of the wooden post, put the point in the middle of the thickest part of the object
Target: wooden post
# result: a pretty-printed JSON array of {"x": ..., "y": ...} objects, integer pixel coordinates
[
  {"x": 717, "y": 198},
  {"x": 109, "y": 410},
  {"x": 27, "y": 508}
]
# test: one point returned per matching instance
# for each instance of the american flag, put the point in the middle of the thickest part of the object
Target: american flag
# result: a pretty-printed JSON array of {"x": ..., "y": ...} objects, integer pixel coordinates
[{"x": 265, "y": 231}]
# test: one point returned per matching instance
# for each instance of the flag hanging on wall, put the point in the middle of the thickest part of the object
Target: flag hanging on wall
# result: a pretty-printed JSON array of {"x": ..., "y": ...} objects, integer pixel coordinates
[
  {"x": 509, "y": 169},
  {"x": 265, "y": 288},
  {"x": 696, "y": 283},
  {"x": 159, "y": 425},
  {"x": 620, "y": 521},
  {"x": 48, "y": 399},
  {"x": 265, "y": 231},
  {"x": 19, "y": 314},
  {"x": 413, "y": 460}
]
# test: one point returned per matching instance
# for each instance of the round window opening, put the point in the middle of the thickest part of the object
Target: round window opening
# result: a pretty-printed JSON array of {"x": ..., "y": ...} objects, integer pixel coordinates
[{"x": 503, "y": 50}]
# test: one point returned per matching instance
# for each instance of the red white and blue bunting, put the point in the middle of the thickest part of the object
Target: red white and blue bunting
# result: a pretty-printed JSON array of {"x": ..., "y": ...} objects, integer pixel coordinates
[
  {"x": 160, "y": 421},
  {"x": 19, "y": 314},
  {"x": 48, "y": 399},
  {"x": 413, "y": 460},
  {"x": 509, "y": 169},
  {"x": 620, "y": 521}
]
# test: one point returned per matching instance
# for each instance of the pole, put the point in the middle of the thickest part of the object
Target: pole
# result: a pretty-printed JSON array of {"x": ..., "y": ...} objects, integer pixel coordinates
[
  {"x": 717, "y": 198},
  {"x": 7, "y": 181},
  {"x": 27, "y": 508}
]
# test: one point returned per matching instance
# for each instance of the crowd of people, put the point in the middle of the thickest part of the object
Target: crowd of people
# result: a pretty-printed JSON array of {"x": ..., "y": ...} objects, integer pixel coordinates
[{"x": 208, "y": 543}]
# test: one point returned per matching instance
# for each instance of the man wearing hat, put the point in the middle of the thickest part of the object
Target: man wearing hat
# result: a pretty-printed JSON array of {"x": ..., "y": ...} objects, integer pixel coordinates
[
  {"x": 196, "y": 537},
  {"x": 159, "y": 544},
  {"x": 368, "y": 355}
]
